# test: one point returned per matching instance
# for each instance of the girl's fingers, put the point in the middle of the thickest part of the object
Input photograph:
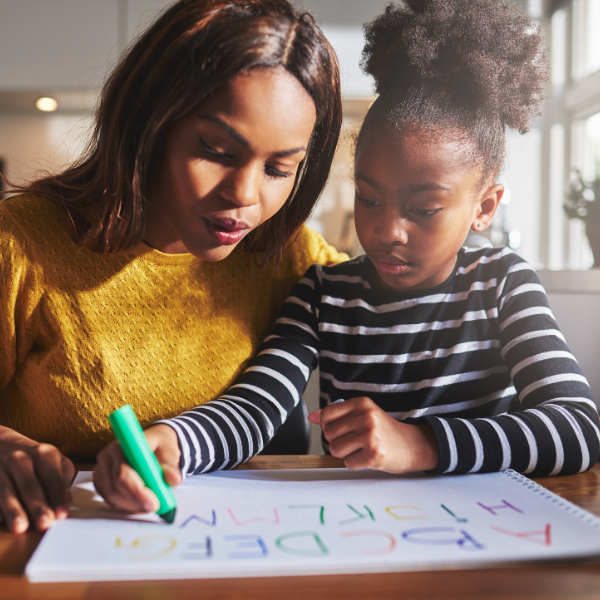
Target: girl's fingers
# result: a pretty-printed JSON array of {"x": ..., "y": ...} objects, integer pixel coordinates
[
  {"x": 120, "y": 485},
  {"x": 348, "y": 421},
  {"x": 134, "y": 496},
  {"x": 346, "y": 425},
  {"x": 345, "y": 445},
  {"x": 163, "y": 441},
  {"x": 336, "y": 411},
  {"x": 315, "y": 417},
  {"x": 21, "y": 470},
  {"x": 172, "y": 474},
  {"x": 134, "y": 493},
  {"x": 360, "y": 459},
  {"x": 13, "y": 514},
  {"x": 106, "y": 474}
]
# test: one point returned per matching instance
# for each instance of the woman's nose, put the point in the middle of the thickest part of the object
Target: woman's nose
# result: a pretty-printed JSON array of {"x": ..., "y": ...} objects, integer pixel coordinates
[{"x": 242, "y": 187}]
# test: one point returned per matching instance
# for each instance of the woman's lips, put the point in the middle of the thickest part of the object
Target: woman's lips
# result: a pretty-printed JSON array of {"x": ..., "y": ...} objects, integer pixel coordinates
[
  {"x": 226, "y": 231},
  {"x": 390, "y": 265}
]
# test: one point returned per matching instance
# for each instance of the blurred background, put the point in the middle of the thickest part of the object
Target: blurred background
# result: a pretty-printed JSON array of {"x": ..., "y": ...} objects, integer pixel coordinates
[{"x": 61, "y": 50}]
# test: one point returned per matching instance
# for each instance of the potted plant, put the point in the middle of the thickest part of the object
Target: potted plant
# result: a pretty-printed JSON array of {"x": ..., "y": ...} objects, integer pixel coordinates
[{"x": 583, "y": 202}]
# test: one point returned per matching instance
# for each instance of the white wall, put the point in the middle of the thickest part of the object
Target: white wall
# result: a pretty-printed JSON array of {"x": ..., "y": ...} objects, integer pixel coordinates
[
  {"x": 522, "y": 177},
  {"x": 574, "y": 297},
  {"x": 30, "y": 143},
  {"x": 56, "y": 43},
  {"x": 578, "y": 316}
]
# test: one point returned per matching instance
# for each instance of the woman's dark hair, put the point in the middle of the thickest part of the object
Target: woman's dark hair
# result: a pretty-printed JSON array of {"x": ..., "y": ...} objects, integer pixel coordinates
[
  {"x": 473, "y": 67},
  {"x": 194, "y": 48}
]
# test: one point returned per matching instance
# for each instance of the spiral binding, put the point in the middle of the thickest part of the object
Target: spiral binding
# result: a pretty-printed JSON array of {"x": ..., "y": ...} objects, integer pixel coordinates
[{"x": 571, "y": 508}]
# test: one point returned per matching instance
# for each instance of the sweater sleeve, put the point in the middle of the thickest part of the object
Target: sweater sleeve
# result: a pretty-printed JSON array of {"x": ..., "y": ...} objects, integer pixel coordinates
[
  {"x": 230, "y": 430},
  {"x": 19, "y": 298},
  {"x": 552, "y": 426},
  {"x": 310, "y": 248}
]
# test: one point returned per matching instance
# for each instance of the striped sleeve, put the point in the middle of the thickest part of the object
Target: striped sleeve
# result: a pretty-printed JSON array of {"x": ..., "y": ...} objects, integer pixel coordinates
[
  {"x": 552, "y": 426},
  {"x": 230, "y": 430}
]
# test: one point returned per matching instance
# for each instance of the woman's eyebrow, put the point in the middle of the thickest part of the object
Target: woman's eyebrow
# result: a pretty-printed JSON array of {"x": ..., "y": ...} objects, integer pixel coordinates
[
  {"x": 242, "y": 140},
  {"x": 228, "y": 128}
]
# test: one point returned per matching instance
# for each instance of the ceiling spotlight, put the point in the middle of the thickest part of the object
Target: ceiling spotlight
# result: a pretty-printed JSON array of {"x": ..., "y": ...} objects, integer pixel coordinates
[{"x": 46, "y": 104}]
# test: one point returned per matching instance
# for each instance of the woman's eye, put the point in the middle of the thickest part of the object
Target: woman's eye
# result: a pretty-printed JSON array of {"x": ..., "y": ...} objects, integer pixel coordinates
[
  {"x": 367, "y": 203},
  {"x": 273, "y": 172},
  {"x": 426, "y": 212},
  {"x": 212, "y": 151}
]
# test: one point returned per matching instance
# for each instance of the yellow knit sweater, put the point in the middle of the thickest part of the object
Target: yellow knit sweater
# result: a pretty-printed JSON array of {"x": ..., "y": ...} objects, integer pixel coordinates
[{"x": 83, "y": 333}]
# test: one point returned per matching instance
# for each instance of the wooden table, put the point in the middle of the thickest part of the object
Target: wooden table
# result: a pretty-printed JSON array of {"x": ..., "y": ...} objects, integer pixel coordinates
[{"x": 568, "y": 581}]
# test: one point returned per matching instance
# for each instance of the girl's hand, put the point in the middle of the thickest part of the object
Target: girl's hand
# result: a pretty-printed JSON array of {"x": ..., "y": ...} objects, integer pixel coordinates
[
  {"x": 122, "y": 487},
  {"x": 366, "y": 437},
  {"x": 34, "y": 483}
]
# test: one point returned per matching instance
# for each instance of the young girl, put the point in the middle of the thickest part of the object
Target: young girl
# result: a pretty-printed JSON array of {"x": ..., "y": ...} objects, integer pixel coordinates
[
  {"x": 446, "y": 359},
  {"x": 135, "y": 276}
]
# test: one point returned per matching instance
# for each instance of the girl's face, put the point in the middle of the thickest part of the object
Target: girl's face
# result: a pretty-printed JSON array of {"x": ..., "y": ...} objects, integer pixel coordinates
[
  {"x": 416, "y": 199},
  {"x": 229, "y": 165}
]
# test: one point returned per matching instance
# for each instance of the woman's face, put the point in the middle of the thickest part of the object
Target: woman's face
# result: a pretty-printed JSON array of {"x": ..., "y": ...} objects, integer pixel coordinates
[
  {"x": 229, "y": 165},
  {"x": 416, "y": 199}
]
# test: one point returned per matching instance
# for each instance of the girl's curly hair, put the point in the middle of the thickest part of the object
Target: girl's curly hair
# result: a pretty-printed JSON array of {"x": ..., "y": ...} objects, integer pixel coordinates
[{"x": 472, "y": 66}]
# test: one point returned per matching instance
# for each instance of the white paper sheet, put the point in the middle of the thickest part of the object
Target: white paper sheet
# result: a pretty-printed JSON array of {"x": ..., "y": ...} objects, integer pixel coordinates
[{"x": 316, "y": 521}]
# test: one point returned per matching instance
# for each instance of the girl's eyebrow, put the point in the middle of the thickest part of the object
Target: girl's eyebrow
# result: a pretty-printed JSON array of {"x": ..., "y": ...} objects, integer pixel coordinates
[
  {"x": 369, "y": 181},
  {"x": 430, "y": 186},
  {"x": 242, "y": 140}
]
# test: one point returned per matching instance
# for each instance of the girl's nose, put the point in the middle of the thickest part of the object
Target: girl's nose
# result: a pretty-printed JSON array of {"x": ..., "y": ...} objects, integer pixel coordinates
[
  {"x": 391, "y": 230},
  {"x": 242, "y": 187}
]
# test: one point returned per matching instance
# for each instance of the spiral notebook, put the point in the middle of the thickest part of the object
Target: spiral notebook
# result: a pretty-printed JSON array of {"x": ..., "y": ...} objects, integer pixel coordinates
[{"x": 317, "y": 521}]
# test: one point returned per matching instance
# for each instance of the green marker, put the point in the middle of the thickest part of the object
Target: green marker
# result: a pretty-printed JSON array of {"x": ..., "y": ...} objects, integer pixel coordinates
[{"x": 138, "y": 454}]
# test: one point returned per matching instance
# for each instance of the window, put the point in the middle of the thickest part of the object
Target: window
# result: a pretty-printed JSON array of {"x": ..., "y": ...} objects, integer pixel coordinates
[
  {"x": 570, "y": 129},
  {"x": 586, "y": 41}
]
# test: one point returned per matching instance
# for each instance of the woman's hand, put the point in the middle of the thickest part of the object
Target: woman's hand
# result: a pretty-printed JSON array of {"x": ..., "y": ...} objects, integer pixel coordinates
[
  {"x": 35, "y": 482},
  {"x": 366, "y": 437},
  {"x": 122, "y": 487}
]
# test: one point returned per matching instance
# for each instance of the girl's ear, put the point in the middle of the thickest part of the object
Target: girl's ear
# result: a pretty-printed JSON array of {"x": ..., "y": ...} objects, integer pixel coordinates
[{"x": 487, "y": 206}]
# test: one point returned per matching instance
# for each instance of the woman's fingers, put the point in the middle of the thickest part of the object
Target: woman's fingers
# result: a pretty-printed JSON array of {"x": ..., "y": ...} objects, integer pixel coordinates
[
  {"x": 55, "y": 472},
  {"x": 34, "y": 483},
  {"x": 31, "y": 496},
  {"x": 13, "y": 514}
]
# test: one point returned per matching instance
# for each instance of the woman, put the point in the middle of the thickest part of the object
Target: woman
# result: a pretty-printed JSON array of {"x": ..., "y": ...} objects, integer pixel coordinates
[{"x": 149, "y": 271}]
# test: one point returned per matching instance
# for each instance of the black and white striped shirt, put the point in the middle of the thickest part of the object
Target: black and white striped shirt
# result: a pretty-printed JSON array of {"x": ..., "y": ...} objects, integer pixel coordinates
[{"x": 479, "y": 357}]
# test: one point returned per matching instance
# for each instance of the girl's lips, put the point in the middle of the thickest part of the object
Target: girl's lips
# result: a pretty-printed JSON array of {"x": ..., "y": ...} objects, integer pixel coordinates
[
  {"x": 226, "y": 231},
  {"x": 391, "y": 265}
]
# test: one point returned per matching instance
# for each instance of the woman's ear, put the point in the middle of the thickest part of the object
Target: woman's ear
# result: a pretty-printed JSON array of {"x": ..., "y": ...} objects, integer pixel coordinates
[{"x": 487, "y": 206}]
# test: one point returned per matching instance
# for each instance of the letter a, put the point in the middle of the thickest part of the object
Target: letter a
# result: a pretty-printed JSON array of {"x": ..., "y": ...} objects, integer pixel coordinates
[{"x": 542, "y": 537}]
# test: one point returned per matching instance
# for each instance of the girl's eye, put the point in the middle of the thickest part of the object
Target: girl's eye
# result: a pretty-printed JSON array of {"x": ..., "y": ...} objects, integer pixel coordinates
[
  {"x": 367, "y": 203},
  {"x": 426, "y": 212}
]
